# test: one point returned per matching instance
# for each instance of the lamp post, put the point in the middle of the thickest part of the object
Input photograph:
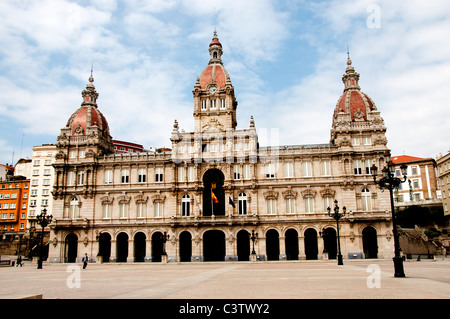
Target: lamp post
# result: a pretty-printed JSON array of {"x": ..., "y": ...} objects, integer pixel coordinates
[
  {"x": 390, "y": 182},
  {"x": 336, "y": 215},
  {"x": 254, "y": 237},
  {"x": 43, "y": 219}
]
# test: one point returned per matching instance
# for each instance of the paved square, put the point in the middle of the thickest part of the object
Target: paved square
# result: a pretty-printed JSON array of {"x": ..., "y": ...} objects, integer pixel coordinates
[{"x": 356, "y": 279}]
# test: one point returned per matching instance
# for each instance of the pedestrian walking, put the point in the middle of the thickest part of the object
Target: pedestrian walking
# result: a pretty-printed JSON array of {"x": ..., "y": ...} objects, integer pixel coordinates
[
  {"x": 19, "y": 261},
  {"x": 85, "y": 260}
]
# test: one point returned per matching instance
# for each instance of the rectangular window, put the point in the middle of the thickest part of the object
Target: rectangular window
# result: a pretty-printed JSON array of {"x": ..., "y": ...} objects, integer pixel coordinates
[
  {"x": 158, "y": 209},
  {"x": 80, "y": 178},
  {"x": 123, "y": 207},
  {"x": 246, "y": 171},
  {"x": 222, "y": 103},
  {"x": 125, "y": 176},
  {"x": 355, "y": 141},
  {"x": 328, "y": 202},
  {"x": 237, "y": 171},
  {"x": 271, "y": 206},
  {"x": 414, "y": 170},
  {"x": 309, "y": 205},
  {"x": 357, "y": 167},
  {"x": 181, "y": 174},
  {"x": 288, "y": 169},
  {"x": 70, "y": 178},
  {"x": 6, "y": 206},
  {"x": 108, "y": 176},
  {"x": 203, "y": 104},
  {"x": 141, "y": 210},
  {"x": 13, "y": 195},
  {"x": 191, "y": 176},
  {"x": 270, "y": 170},
  {"x": 326, "y": 168},
  {"x": 290, "y": 205},
  {"x": 367, "y": 140},
  {"x": 12, "y": 206},
  {"x": 142, "y": 176},
  {"x": 367, "y": 166},
  {"x": 212, "y": 104},
  {"x": 106, "y": 214},
  {"x": 307, "y": 169},
  {"x": 159, "y": 175}
]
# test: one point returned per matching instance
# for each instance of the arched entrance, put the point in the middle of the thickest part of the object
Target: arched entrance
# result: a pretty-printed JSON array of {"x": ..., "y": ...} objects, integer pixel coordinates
[
  {"x": 122, "y": 247},
  {"x": 291, "y": 242},
  {"x": 104, "y": 249},
  {"x": 243, "y": 245},
  {"x": 311, "y": 249},
  {"x": 185, "y": 246},
  {"x": 139, "y": 247},
  {"x": 330, "y": 242},
  {"x": 71, "y": 248},
  {"x": 272, "y": 245},
  {"x": 213, "y": 193},
  {"x": 214, "y": 245},
  {"x": 370, "y": 244},
  {"x": 157, "y": 247}
]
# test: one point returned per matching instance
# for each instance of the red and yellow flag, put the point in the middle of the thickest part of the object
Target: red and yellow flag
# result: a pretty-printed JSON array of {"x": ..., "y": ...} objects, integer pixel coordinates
[{"x": 214, "y": 197}]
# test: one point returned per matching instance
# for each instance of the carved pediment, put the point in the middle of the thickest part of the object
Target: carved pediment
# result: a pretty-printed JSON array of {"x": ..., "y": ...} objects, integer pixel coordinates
[{"x": 213, "y": 126}]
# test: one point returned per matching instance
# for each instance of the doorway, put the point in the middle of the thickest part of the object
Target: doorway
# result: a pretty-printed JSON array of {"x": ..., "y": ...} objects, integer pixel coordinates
[
  {"x": 213, "y": 193},
  {"x": 185, "y": 246},
  {"x": 291, "y": 242},
  {"x": 122, "y": 247},
  {"x": 71, "y": 248},
  {"x": 370, "y": 245},
  {"x": 104, "y": 249},
  {"x": 272, "y": 245},
  {"x": 330, "y": 242},
  {"x": 214, "y": 245},
  {"x": 243, "y": 245},
  {"x": 311, "y": 248},
  {"x": 139, "y": 247}
]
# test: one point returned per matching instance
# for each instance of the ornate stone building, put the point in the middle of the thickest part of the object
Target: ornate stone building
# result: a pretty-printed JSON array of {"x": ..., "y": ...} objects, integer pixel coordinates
[{"x": 203, "y": 200}]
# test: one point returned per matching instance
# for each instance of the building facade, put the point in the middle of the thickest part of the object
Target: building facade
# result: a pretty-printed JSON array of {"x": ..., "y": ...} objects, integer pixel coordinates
[
  {"x": 204, "y": 199},
  {"x": 13, "y": 206},
  {"x": 443, "y": 168},
  {"x": 421, "y": 186}
]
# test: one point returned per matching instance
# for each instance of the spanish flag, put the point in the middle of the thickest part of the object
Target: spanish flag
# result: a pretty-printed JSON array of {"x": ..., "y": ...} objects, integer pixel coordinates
[{"x": 214, "y": 197}]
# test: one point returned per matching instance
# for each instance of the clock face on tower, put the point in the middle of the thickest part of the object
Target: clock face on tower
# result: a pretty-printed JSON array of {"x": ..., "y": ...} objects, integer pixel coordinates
[{"x": 213, "y": 89}]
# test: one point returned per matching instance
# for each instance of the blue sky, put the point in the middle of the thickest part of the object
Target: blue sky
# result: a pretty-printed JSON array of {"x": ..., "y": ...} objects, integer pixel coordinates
[{"x": 285, "y": 60}]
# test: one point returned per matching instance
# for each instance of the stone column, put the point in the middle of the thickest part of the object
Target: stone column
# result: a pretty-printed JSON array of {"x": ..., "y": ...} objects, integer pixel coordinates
[
  {"x": 148, "y": 250},
  {"x": 301, "y": 248},
  {"x": 130, "y": 257},
  {"x": 230, "y": 249},
  {"x": 113, "y": 257},
  {"x": 282, "y": 244}
]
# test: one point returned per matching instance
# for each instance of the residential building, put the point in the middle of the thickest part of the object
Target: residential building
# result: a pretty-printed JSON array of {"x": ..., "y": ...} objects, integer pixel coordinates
[{"x": 14, "y": 192}]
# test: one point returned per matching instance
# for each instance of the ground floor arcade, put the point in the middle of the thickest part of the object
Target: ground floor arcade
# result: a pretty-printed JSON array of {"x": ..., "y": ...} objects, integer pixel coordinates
[{"x": 221, "y": 243}]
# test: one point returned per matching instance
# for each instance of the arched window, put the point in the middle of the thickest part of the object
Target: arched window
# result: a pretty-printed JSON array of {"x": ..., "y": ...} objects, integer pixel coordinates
[
  {"x": 74, "y": 208},
  {"x": 185, "y": 205},
  {"x": 242, "y": 199},
  {"x": 366, "y": 200}
]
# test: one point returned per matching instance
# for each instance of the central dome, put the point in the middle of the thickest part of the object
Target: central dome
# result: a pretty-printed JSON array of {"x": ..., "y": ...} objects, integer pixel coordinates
[{"x": 215, "y": 72}]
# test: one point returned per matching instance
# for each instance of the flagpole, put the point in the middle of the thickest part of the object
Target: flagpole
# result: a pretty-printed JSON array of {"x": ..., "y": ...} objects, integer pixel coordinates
[{"x": 212, "y": 203}]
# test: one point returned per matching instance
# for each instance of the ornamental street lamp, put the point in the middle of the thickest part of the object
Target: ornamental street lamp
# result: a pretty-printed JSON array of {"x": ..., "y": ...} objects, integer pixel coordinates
[
  {"x": 254, "y": 237},
  {"x": 390, "y": 182},
  {"x": 43, "y": 219},
  {"x": 336, "y": 215}
]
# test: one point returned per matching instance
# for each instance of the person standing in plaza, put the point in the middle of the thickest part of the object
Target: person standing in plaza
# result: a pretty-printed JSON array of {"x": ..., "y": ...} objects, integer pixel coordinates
[{"x": 85, "y": 260}]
